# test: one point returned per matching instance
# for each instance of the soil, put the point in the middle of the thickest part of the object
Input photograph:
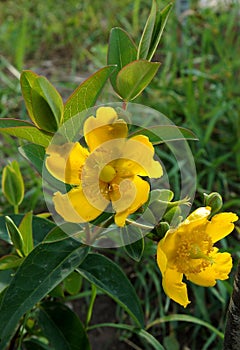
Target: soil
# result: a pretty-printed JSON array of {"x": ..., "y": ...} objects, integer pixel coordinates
[{"x": 105, "y": 338}]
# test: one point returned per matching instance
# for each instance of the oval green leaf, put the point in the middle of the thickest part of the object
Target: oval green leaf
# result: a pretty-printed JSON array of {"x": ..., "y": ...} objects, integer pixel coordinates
[
  {"x": 135, "y": 77},
  {"x": 85, "y": 96},
  {"x": 109, "y": 278},
  {"x": 43, "y": 102},
  {"x": 121, "y": 51},
  {"x": 15, "y": 236},
  {"x": 47, "y": 105},
  {"x": 24, "y": 130},
  {"x": 12, "y": 183}
]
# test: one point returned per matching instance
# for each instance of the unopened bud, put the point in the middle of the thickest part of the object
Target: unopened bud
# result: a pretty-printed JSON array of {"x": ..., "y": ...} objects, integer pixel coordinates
[{"x": 213, "y": 200}]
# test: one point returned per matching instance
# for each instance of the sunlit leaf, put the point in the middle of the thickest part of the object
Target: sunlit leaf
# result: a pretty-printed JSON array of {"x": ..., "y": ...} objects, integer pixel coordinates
[
  {"x": 15, "y": 236},
  {"x": 24, "y": 130},
  {"x": 145, "y": 41},
  {"x": 85, "y": 96},
  {"x": 135, "y": 77},
  {"x": 43, "y": 102},
  {"x": 121, "y": 51},
  {"x": 26, "y": 231}
]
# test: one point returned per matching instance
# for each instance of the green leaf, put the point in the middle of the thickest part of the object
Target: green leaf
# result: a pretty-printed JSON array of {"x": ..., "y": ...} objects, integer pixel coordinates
[
  {"x": 73, "y": 282},
  {"x": 161, "y": 20},
  {"x": 87, "y": 93},
  {"x": 43, "y": 102},
  {"x": 62, "y": 327},
  {"x": 24, "y": 130},
  {"x": 145, "y": 41},
  {"x": 109, "y": 278},
  {"x": 134, "y": 250},
  {"x": 10, "y": 262},
  {"x": 41, "y": 227},
  {"x": 47, "y": 105},
  {"x": 135, "y": 77},
  {"x": 153, "y": 31},
  {"x": 26, "y": 231},
  {"x": 27, "y": 80},
  {"x": 163, "y": 133},
  {"x": 15, "y": 236},
  {"x": 12, "y": 183},
  {"x": 5, "y": 279},
  {"x": 121, "y": 51},
  {"x": 35, "y": 154},
  {"x": 43, "y": 269}
]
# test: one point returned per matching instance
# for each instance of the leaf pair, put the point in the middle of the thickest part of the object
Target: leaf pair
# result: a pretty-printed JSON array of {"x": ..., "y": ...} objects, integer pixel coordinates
[
  {"x": 45, "y": 106},
  {"x": 134, "y": 69}
]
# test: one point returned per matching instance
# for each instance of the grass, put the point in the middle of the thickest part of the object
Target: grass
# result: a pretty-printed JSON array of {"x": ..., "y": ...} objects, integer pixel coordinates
[{"x": 197, "y": 87}]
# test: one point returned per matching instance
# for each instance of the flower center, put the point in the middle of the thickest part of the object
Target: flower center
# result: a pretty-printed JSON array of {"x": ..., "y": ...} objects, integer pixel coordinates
[
  {"x": 193, "y": 252},
  {"x": 107, "y": 173}
]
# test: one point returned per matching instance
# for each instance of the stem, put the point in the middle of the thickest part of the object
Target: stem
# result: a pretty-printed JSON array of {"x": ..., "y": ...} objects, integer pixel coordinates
[
  {"x": 232, "y": 334},
  {"x": 144, "y": 227},
  {"x": 124, "y": 105},
  {"x": 15, "y": 209},
  {"x": 21, "y": 332},
  {"x": 90, "y": 308}
]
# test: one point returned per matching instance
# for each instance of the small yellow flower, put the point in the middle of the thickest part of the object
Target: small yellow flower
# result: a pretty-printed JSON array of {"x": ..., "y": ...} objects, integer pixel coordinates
[
  {"x": 110, "y": 170},
  {"x": 189, "y": 250}
]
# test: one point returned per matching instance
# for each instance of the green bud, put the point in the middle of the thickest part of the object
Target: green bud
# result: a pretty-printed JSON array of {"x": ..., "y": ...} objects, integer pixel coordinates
[
  {"x": 173, "y": 215},
  {"x": 12, "y": 184},
  {"x": 162, "y": 228},
  {"x": 213, "y": 200}
]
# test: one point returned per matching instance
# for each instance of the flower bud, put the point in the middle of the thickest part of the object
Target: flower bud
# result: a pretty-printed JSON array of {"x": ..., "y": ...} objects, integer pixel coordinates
[
  {"x": 213, "y": 200},
  {"x": 173, "y": 215},
  {"x": 12, "y": 183}
]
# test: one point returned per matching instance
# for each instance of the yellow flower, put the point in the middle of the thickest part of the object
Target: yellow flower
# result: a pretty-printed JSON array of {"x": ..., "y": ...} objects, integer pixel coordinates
[
  {"x": 189, "y": 250},
  {"x": 110, "y": 170}
]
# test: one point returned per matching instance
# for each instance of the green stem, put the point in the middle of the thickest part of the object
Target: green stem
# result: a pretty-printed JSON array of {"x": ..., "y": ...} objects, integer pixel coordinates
[
  {"x": 144, "y": 227},
  {"x": 90, "y": 308},
  {"x": 15, "y": 208},
  {"x": 21, "y": 332}
]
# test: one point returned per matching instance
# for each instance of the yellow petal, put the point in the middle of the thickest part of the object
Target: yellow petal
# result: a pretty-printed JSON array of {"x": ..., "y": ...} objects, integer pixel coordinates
[
  {"x": 221, "y": 225},
  {"x": 75, "y": 207},
  {"x": 198, "y": 214},
  {"x": 219, "y": 270},
  {"x": 161, "y": 258},
  {"x": 169, "y": 245},
  {"x": 127, "y": 196},
  {"x": 106, "y": 126},
  {"x": 137, "y": 159},
  {"x": 65, "y": 161},
  {"x": 174, "y": 287}
]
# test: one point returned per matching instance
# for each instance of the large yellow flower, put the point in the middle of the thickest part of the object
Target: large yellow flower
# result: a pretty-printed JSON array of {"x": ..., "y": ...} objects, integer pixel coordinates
[
  {"x": 189, "y": 250},
  {"x": 110, "y": 170}
]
